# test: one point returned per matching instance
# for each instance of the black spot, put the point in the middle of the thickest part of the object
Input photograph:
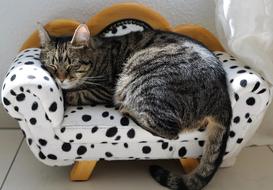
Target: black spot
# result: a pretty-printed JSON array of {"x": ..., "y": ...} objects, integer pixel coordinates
[
  {"x": 232, "y": 134},
  {"x": 247, "y": 67},
  {"x": 239, "y": 141},
  {"x": 12, "y": 77},
  {"x": 249, "y": 120},
  {"x": 201, "y": 143},
  {"x": 243, "y": 83},
  {"x": 117, "y": 138},
  {"x": 114, "y": 30},
  {"x": 66, "y": 147},
  {"x": 52, "y": 157},
  {"x": 53, "y": 107},
  {"x": 86, "y": 118},
  {"x": 12, "y": 92},
  {"x": 51, "y": 89},
  {"x": 79, "y": 136},
  {"x": 73, "y": 111},
  {"x": 262, "y": 91},
  {"x": 111, "y": 117},
  {"x": 124, "y": 121},
  {"x": 62, "y": 129},
  {"x": 145, "y": 142},
  {"x": 256, "y": 86},
  {"x": 164, "y": 145},
  {"x": 247, "y": 115},
  {"x": 42, "y": 156},
  {"x": 111, "y": 132},
  {"x": 236, "y": 96},
  {"x": 46, "y": 78},
  {"x": 29, "y": 62},
  {"x": 225, "y": 61},
  {"x": 79, "y": 108},
  {"x": 33, "y": 121},
  {"x": 250, "y": 101},
  {"x": 231, "y": 80},
  {"x": 125, "y": 145},
  {"x": 236, "y": 119},
  {"x": 16, "y": 108},
  {"x": 34, "y": 106},
  {"x": 124, "y": 26},
  {"x": 131, "y": 133},
  {"x": 20, "y": 97},
  {"x": 105, "y": 114},
  {"x": 6, "y": 101},
  {"x": 81, "y": 150},
  {"x": 21, "y": 89},
  {"x": 31, "y": 77},
  {"x": 182, "y": 151},
  {"x": 108, "y": 154},
  {"x": 56, "y": 137},
  {"x": 92, "y": 146},
  {"x": 42, "y": 142},
  {"x": 94, "y": 129},
  {"x": 146, "y": 149},
  {"x": 29, "y": 141},
  {"x": 39, "y": 86},
  {"x": 233, "y": 67},
  {"x": 241, "y": 71}
]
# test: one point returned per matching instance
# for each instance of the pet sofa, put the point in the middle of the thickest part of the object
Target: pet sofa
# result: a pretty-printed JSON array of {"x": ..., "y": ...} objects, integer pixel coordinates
[{"x": 85, "y": 134}]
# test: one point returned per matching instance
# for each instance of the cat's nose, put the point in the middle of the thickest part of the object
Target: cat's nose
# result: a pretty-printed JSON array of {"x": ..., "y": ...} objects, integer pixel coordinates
[{"x": 61, "y": 77}]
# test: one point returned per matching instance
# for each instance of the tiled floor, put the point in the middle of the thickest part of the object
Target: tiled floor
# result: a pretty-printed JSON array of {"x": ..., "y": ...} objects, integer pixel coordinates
[{"x": 19, "y": 170}]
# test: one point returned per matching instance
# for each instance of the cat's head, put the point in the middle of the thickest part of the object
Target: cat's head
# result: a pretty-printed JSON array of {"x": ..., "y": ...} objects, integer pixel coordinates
[{"x": 67, "y": 58}]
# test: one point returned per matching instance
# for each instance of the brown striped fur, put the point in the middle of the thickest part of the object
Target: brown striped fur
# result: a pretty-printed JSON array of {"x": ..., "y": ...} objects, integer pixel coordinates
[{"x": 167, "y": 83}]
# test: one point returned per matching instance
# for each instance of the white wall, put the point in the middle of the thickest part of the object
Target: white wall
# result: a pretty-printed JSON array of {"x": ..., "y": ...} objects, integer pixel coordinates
[{"x": 18, "y": 20}]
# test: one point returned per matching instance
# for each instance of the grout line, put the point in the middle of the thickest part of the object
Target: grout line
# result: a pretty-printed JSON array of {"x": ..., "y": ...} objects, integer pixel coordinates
[
  {"x": 270, "y": 148},
  {"x": 13, "y": 160}
]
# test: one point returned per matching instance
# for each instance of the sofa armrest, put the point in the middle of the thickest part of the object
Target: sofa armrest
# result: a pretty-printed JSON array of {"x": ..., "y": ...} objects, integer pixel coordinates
[
  {"x": 250, "y": 96},
  {"x": 29, "y": 93}
]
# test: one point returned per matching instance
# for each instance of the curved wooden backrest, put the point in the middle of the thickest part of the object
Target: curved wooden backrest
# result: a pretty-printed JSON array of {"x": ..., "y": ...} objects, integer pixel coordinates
[{"x": 122, "y": 11}]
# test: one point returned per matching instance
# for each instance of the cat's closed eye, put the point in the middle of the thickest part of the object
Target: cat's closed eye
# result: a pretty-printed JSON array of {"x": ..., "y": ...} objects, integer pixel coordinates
[{"x": 51, "y": 68}]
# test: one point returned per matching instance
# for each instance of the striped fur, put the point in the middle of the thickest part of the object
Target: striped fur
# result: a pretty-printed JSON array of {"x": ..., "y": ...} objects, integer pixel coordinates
[{"x": 166, "y": 82}]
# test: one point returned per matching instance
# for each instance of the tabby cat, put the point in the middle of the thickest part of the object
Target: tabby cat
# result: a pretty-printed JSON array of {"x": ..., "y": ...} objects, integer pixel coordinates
[{"x": 168, "y": 83}]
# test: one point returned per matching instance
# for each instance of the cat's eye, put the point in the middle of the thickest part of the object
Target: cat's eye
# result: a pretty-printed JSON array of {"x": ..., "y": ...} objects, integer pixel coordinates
[{"x": 51, "y": 68}]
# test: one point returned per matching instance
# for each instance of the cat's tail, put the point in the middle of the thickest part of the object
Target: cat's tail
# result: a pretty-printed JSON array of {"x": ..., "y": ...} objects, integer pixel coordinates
[{"x": 212, "y": 157}]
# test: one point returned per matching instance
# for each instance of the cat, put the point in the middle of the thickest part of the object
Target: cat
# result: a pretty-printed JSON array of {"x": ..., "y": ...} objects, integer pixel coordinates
[{"x": 166, "y": 82}]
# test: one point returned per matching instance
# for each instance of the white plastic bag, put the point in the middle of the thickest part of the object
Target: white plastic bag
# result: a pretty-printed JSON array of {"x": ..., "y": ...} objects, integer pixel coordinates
[{"x": 245, "y": 27}]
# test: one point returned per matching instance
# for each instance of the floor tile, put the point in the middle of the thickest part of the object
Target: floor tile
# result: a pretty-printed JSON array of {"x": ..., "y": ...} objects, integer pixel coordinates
[
  {"x": 6, "y": 120},
  {"x": 9, "y": 143},
  {"x": 29, "y": 174},
  {"x": 252, "y": 171}
]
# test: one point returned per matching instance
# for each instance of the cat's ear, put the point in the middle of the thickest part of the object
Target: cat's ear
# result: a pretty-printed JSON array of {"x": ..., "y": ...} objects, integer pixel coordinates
[
  {"x": 43, "y": 34},
  {"x": 81, "y": 37}
]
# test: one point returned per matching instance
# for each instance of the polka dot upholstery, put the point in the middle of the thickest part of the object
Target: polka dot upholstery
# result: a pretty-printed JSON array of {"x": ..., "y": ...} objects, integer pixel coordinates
[{"x": 59, "y": 137}]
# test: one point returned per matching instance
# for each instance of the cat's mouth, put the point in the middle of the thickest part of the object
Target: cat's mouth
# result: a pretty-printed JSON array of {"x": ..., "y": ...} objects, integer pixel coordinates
[{"x": 67, "y": 84}]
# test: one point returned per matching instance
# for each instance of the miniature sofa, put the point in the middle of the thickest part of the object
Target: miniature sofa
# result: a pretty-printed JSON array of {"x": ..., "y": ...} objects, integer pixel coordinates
[{"x": 86, "y": 134}]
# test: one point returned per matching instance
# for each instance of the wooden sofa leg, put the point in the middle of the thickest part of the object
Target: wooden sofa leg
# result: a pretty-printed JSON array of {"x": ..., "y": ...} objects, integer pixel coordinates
[
  {"x": 82, "y": 170},
  {"x": 189, "y": 164}
]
